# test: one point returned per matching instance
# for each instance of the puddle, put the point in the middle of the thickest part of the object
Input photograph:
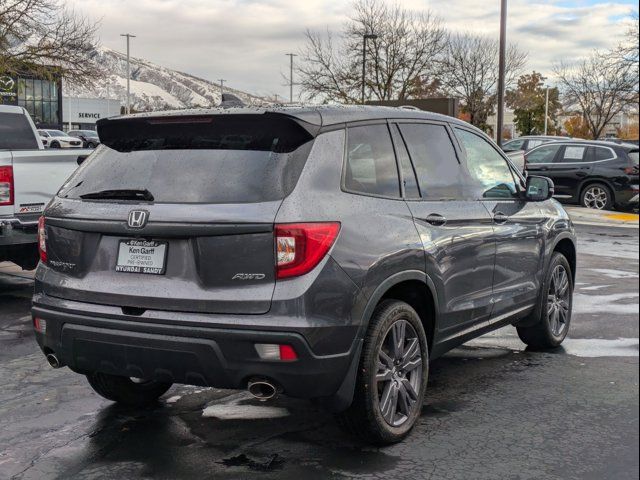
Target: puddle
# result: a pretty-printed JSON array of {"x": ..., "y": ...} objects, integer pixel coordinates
[{"x": 275, "y": 461}]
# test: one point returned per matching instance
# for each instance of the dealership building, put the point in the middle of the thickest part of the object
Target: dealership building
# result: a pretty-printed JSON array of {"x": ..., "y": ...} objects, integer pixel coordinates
[
  {"x": 40, "y": 96},
  {"x": 82, "y": 113},
  {"x": 43, "y": 99}
]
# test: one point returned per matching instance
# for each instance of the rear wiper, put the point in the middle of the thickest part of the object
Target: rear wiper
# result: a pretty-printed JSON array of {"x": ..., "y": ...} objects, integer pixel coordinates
[{"x": 124, "y": 194}]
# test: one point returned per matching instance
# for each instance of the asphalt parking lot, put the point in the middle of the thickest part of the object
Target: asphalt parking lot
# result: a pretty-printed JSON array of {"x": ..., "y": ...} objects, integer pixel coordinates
[{"x": 493, "y": 409}]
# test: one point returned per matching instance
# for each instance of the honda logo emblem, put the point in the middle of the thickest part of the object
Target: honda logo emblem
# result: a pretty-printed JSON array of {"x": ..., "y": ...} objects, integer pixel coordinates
[{"x": 137, "y": 218}]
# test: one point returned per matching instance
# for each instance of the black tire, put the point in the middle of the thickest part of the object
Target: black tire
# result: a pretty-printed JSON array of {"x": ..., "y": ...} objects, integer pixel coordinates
[
  {"x": 546, "y": 333},
  {"x": 54, "y": 145},
  {"x": 597, "y": 196},
  {"x": 364, "y": 417},
  {"x": 125, "y": 390}
]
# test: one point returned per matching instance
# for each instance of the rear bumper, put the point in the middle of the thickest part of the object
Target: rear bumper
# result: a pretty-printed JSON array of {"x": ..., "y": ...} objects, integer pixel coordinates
[
  {"x": 627, "y": 196},
  {"x": 221, "y": 357},
  {"x": 14, "y": 231}
]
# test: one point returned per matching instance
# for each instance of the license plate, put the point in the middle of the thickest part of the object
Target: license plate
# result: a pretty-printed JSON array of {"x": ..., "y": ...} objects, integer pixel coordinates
[{"x": 141, "y": 256}]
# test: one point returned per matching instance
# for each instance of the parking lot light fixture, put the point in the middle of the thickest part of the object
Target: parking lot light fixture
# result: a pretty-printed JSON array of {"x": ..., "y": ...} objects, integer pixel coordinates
[{"x": 365, "y": 37}]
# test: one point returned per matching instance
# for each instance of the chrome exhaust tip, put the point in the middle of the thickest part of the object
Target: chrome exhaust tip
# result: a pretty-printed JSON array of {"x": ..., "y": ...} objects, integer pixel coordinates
[
  {"x": 53, "y": 360},
  {"x": 262, "y": 389}
]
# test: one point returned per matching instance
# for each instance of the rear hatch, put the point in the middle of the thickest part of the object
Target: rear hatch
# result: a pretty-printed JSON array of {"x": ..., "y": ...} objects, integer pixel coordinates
[{"x": 176, "y": 213}]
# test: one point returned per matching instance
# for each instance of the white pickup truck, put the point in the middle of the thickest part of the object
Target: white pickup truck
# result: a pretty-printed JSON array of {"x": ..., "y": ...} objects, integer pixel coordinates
[{"x": 29, "y": 177}]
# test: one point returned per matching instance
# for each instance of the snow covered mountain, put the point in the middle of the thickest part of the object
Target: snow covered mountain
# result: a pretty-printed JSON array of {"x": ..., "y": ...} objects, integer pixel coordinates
[{"x": 153, "y": 87}]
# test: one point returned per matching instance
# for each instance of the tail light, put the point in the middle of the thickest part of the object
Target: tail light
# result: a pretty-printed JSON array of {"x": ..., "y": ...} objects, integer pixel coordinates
[
  {"x": 42, "y": 240},
  {"x": 6, "y": 186},
  {"x": 631, "y": 170},
  {"x": 301, "y": 246}
]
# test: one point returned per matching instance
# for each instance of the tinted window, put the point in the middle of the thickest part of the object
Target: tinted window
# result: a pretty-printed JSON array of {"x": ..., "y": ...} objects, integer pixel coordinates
[
  {"x": 600, "y": 153},
  {"x": 238, "y": 166},
  {"x": 490, "y": 173},
  {"x": 408, "y": 174},
  {"x": 513, "y": 145},
  {"x": 16, "y": 133},
  {"x": 371, "y": 163},
  {"x": 573, "y": 154},
  {"x": 544, "y": 154},
  {"x": 439, "y": 172}
]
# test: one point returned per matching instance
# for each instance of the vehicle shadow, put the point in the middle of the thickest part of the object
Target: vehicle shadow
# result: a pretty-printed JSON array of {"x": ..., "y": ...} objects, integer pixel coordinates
[{"x": 203, "y": 432}]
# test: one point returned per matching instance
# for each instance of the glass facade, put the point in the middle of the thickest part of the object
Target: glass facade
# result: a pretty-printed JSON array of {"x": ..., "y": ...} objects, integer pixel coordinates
[{"x": 40, "y": 98}]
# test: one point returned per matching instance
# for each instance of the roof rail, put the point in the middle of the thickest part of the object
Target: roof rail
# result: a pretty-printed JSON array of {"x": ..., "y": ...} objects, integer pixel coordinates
[{"x": 408, "y": 107}]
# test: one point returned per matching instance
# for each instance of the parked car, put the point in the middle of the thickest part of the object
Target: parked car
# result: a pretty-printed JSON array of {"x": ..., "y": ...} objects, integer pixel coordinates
[
  {"x": 594, "y": 174},
  {"x": 621, "y": 141},
  {"x": 59, "y": 139},
  {"x": 528, "y": 142},
  {"x": 89, "y": 138},
  {"x": 29, "y": 178},
  {"x": 44, "y": 140},
  {"x": 324, "y": 253}
]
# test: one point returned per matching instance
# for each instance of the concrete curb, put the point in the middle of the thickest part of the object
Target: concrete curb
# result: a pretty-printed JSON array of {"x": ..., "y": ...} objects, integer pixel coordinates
[{"x": 585, "y": 216}]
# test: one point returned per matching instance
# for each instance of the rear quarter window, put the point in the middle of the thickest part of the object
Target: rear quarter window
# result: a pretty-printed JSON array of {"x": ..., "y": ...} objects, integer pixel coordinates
[{"x": 370, "y": 166}]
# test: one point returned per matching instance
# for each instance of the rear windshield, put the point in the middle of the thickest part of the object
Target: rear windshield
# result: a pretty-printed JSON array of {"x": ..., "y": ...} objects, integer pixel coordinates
[
  {"x": 218, "y": 159},
  {"x": 16, "y": 132},
  {"x": 633, "y": 155}
]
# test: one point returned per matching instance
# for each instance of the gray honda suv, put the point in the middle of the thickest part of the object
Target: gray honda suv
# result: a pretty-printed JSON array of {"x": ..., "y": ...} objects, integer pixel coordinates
[{"x": 324, "y": 253}]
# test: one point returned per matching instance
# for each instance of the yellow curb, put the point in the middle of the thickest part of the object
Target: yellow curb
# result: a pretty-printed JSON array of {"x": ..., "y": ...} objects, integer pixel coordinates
[{"x": 623, "y": 217}]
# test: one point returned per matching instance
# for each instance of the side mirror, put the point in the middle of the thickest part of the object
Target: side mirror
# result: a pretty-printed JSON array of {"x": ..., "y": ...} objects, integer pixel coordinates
[{"x": 539, "y": 189}]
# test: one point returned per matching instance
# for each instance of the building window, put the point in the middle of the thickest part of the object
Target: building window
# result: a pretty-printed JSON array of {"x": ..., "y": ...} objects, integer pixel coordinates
[{"x": 40, "y": 98}]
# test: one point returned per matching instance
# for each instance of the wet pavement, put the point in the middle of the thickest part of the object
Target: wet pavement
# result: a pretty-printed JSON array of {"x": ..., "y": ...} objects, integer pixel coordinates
[{"x": 493, "y": 410}]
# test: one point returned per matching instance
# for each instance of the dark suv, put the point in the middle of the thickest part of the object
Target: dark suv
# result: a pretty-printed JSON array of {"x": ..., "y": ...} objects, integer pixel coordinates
[
  {"x": 325, "y": 253},
  {"x": 594, "y": 174}
]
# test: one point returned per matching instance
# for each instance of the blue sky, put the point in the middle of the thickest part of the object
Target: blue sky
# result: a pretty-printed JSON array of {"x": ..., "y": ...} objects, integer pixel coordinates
[{"x": 245, "y": 41}]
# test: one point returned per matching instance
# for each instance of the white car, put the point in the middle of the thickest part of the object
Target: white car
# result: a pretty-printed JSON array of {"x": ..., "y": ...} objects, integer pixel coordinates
[{"x": 59, "y": 139}]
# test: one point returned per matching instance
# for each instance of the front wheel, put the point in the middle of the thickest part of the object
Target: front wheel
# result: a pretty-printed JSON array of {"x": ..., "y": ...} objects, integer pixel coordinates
[
  {"x": 554, "y": 314},
  {"x": 392, "y": 376},
  {"x": 127, "y": 391}
]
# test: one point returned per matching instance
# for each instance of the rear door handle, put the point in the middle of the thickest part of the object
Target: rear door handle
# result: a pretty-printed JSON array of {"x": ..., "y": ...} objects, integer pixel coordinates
[
  {"x": 500, "y": 218},
  {"x": 436, "y": 220}
]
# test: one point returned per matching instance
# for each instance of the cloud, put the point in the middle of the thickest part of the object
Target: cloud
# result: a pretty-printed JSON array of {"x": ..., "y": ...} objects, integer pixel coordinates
[{"x": 245, "y": 41}]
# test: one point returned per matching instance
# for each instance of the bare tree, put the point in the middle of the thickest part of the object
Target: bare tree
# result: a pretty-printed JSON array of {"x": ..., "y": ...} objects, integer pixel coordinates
[
  {"x": 41, "y": 37},
  {"x": 469, "y": 71},
  {"x": 404, "y": 50},
  {"x": 599, "y": 88}
]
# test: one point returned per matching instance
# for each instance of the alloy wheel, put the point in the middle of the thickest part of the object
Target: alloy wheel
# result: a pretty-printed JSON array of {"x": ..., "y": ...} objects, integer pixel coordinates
[
  {"x": 558, "y": 301},
  {"x": 596, "y": 197},
  {"x": 399, "y": 373}
]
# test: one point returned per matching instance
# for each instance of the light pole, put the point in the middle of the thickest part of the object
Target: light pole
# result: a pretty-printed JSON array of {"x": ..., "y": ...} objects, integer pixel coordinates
[
  {"x": 221, "y": 80},
  {"x": 546, "y": 112},
  {"x": 365, "y": 37},
  {"x": 128, "y": 107},
  {"x": 291, "y": 55},
  {"x": 501, "y": 69}
]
